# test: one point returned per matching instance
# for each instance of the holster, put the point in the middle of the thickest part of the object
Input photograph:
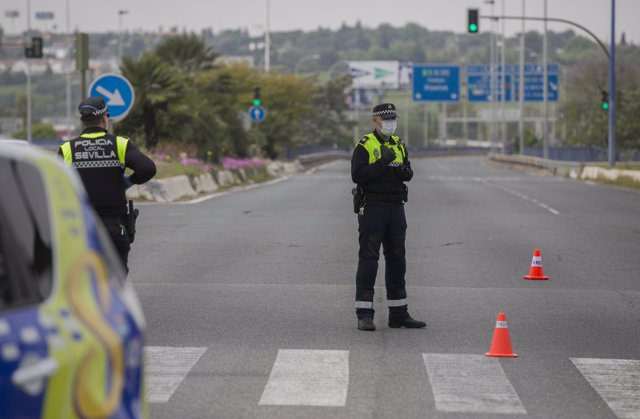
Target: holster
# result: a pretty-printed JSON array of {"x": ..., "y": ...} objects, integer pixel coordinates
[
  {"x": 358, "y": 198},
  {"x": 132, "y": 215}
]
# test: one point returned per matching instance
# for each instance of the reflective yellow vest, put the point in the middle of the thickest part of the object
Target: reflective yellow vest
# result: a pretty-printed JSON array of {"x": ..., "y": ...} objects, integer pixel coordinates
[
  {"x": 372, "y": 145},
  {"x": 121, "y": 147}
]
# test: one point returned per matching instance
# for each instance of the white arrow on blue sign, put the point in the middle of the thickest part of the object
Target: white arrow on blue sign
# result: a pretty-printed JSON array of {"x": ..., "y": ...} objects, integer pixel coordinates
[
  {"x": 257, "y": 113},
  {"x": 117, "y": 93}
]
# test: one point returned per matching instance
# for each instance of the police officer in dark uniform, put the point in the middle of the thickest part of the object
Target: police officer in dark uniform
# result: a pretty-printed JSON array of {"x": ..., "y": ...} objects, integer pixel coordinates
[
  {"x": 380, "y": 166},
  {"x": 101, "y": 159}
]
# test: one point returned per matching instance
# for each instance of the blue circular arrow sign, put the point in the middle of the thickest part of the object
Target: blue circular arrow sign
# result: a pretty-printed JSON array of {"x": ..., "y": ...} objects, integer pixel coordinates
[
  {"x": 257, "y": 113},
  {"x": 117, "y": 93}
]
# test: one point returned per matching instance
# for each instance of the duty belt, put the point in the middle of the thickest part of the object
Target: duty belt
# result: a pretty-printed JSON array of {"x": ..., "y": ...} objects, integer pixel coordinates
[{"x": 385, "y": 197}]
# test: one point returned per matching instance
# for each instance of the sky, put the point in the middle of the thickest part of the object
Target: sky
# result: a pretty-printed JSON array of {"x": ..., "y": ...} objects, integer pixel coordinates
[{"x": 286, "y": 15}]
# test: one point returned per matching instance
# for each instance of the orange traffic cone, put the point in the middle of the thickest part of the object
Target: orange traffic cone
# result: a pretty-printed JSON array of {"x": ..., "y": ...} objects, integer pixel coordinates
[
  {"x": 536, "y": 267},
  {"x": 501, "y": 343}
]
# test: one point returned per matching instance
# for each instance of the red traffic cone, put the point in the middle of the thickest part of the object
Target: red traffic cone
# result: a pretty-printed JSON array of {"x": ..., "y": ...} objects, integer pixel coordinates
[
  {"x": 501, "y": 342},
  {"x": 536, "y": 267}
]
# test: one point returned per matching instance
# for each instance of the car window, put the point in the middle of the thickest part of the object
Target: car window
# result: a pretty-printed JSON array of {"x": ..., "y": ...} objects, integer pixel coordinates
[{"x": 25, "y": 235}]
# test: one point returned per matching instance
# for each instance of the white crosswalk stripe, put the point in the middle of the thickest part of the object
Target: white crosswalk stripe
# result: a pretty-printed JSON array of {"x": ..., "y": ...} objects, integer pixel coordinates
[
  {"x": 166, "y": 367},
  {"x": 465, "y": 383},
  {"x": 616, "y": 380},
  {"x": 308, "y": 378},
  {"x": 471, "y": 383}
]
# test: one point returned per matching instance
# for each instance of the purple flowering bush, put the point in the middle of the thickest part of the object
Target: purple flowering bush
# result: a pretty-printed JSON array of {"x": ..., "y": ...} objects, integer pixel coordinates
[{"x": 231, "y": 163}]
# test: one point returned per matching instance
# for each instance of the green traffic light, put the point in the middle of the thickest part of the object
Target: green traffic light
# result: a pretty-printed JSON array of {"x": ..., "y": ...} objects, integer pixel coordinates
[
  {"x": 605, "y": 106},
  {"x": 473, "y": 27},
  {"x": 256, "y": 102}
]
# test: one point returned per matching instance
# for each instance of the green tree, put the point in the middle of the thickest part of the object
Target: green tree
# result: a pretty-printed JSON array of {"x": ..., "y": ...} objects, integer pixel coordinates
[
  {"x": 38, "y": 132},
  {"x": 187, "y": 53}
]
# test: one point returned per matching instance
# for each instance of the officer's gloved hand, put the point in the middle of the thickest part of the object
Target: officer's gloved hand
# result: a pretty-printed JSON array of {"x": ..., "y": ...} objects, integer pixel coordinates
[
  {"x": 126, "y": 180},
  {"x": 387, "y": 155},
  {"x": 404, "y": 173}
]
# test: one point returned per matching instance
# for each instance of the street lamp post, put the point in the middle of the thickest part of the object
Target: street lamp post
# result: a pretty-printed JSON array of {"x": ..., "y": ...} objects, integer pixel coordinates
[
  {"x": 503, "y": 86},
  {"x": 545, "y": 89},
  {"x": 267, "y": 40},
  {"x": 521, "y": 97},
  {"x": 68, "y": 71},
  {"x": 120, "y": 38},
  {"x": 492, "y": 77}
]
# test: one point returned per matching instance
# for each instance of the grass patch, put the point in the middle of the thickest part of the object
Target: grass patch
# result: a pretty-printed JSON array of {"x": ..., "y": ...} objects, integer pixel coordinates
[
  {"x": 622, "y": 181},
  {"x": 619, "y": 165}
]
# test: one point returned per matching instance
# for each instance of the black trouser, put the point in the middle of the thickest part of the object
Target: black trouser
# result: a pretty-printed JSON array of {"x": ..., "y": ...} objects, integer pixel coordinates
[
  {"x": 382, "y": 223},
  {"x": 116, "y": 229}
]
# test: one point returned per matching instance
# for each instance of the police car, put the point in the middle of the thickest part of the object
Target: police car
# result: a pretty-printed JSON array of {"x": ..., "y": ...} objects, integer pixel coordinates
[{"x": 71, "y": 327}]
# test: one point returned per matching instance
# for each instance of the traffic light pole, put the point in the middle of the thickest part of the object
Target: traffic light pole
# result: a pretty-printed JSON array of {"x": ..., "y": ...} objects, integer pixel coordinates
[
  {"x": 611, "y": 57},
  {"x": 612, "y": 88},
  {"x": 553, "y": 19}
]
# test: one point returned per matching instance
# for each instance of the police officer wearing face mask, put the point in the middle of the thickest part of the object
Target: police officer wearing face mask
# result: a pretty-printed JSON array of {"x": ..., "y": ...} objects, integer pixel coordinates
[
  {"x": 101, "y": 159},
  {"x": 380, "y": 166}
]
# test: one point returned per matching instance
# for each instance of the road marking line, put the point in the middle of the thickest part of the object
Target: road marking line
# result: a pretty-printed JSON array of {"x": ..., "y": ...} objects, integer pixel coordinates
[
  {"x": 525, "y": 197},
  {"x": 166, "y": 367},
  {"x": 308, "y": 378},
  {"x": 616, "y": 381},
  {"x": 322, "y": 167},
  {"x": 471, "y": 383},
  {"x": 234, "y": 189}
]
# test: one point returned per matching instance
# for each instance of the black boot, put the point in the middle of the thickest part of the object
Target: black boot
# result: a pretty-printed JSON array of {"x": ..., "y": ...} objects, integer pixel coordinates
[
  {"x": 366, "y": 323},
  {"x": 407, "y": 322}
]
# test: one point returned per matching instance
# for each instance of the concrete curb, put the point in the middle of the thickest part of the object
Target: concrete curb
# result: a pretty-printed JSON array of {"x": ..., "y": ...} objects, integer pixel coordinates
[{"x": 178, "y": 188}]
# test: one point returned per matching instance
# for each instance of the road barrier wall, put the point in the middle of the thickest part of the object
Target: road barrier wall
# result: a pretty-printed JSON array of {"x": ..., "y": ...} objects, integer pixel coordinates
[
  {"x": 178, "y": 188},
  {"x": 527, "y": 163},
  {"x": 597, "y": 173},
  {"x": 573, "y": 170}
]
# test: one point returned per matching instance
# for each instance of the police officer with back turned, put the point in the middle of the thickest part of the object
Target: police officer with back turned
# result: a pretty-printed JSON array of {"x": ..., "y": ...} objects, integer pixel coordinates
[
  {"x": 101, "y": 159},
  {"x": 380, "y": 166}
]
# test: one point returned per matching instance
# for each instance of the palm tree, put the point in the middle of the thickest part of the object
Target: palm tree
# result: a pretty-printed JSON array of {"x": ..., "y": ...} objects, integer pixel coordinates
[
  {"x": 187, "y": 53},
  {"x": 158, "y": 86}
]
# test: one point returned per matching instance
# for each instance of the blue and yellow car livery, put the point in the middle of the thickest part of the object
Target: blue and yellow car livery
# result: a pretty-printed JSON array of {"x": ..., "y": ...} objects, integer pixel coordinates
[{"x": 71, "y": 327}]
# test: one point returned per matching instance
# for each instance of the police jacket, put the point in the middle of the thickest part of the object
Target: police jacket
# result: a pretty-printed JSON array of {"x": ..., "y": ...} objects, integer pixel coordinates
[
  {"x": 368, "y": 171},
  {"x": 101, "y": 159}
]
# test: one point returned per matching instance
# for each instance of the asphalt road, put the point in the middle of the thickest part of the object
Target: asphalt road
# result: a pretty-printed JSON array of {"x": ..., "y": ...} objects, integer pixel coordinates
[{"x": 249, "y": 300}]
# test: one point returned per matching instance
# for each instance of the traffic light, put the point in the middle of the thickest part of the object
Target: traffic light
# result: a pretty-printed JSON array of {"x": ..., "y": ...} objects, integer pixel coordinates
[
  {"x": 256, "y": 96},
  {"x": 35, "y": 50},
  {"x": 604, "y": 102},
  {"x": 472, "y": 20}
]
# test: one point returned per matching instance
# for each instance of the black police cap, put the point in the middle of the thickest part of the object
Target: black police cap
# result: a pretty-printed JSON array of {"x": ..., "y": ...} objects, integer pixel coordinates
[
  {"x": 92, "y": 107},
  {"x": 385, "y": 111}
]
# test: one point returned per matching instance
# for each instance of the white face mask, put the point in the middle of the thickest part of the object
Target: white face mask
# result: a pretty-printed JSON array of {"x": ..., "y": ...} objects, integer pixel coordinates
[{"x": 388, "y": 126}]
